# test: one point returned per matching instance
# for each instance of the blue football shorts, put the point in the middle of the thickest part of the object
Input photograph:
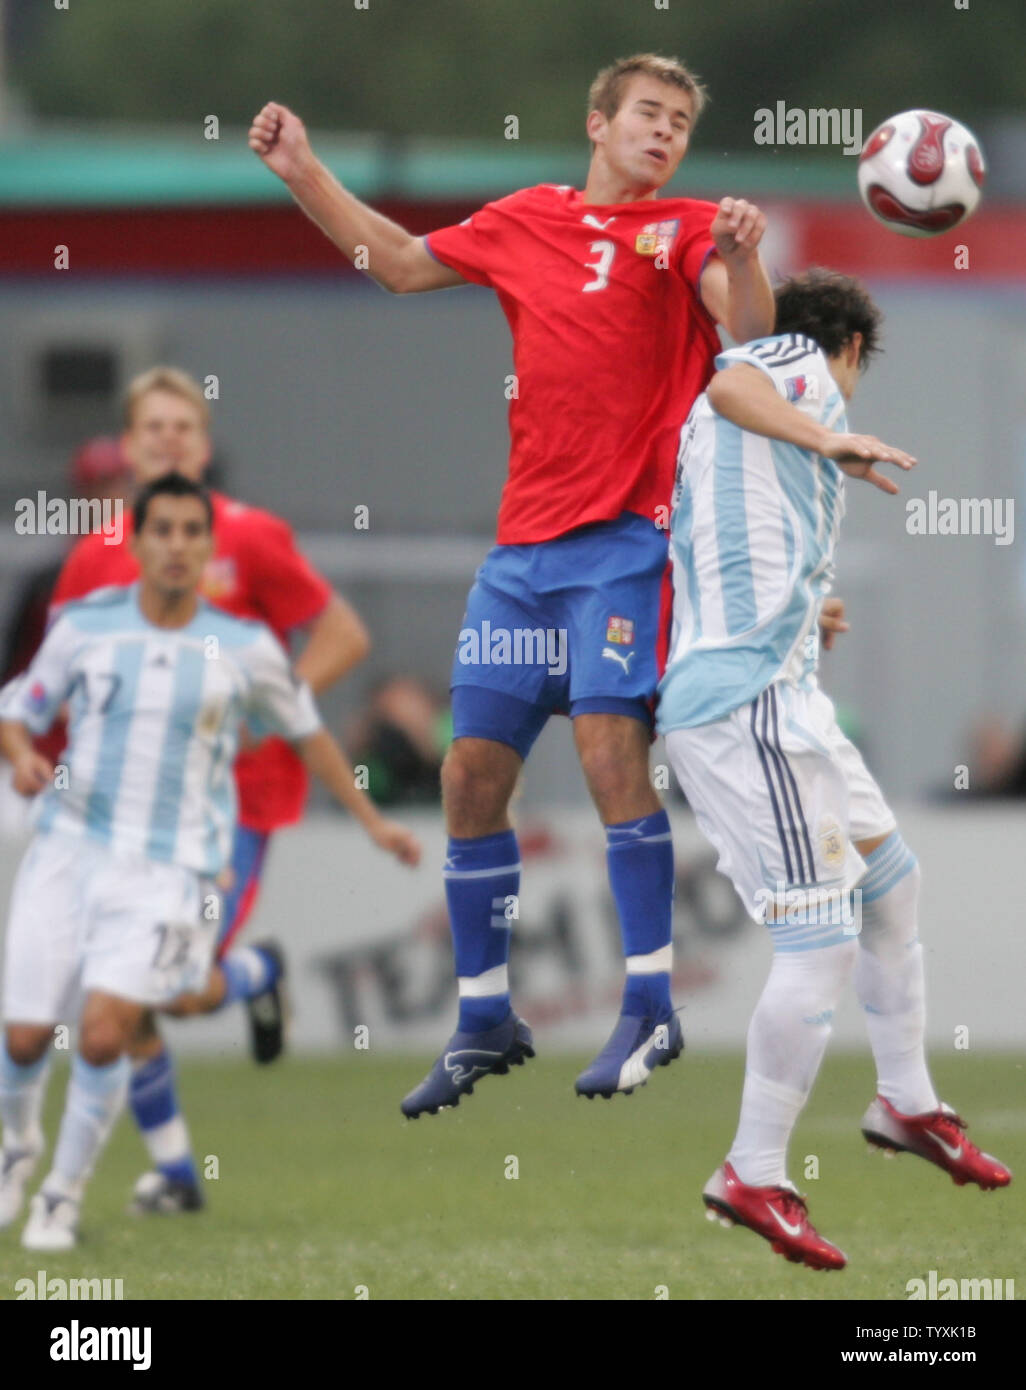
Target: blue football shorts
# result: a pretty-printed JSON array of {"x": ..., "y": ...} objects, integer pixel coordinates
[{"x": 575, "y": 625}]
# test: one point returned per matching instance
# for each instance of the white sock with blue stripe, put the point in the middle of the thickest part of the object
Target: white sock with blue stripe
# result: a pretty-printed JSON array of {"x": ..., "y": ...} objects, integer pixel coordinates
[
  {"x": 787, "y": 1037},
  {"x": 94, "y": 1101},
  {"x": 889, "y": 977},
  {"x": 22, "y": 1089}
]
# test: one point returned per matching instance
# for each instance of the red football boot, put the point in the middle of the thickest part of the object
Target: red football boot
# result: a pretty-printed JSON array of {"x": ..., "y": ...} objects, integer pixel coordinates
[
  {"x": 779, "y": 1214},
  {"x": 938, "y": 1136}
]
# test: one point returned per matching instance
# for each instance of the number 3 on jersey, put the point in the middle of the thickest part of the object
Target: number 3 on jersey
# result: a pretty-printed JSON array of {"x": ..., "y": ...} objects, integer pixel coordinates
[{"x": 605, "y": 251}]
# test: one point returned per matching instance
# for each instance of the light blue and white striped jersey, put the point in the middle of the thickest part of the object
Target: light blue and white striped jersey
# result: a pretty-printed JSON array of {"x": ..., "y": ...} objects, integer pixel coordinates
[
  {"x": 752, "y": 539},
  {"x": 154, "y": 717}
]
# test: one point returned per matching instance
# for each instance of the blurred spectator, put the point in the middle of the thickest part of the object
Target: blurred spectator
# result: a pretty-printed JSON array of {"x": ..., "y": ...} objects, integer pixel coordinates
[
  {"x": 401, "y": 737},
  {"x": 997, "y": 761},
  {"x": 98, "y": 470}
]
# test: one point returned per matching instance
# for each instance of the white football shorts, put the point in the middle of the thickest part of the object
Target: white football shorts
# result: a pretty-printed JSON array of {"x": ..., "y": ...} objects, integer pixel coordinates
[
  {"x": 82, "y": 919},
  {"x": 781, "y": 794}
]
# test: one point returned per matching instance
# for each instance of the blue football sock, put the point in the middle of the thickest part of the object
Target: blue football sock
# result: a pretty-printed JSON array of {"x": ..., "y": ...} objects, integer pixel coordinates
[
  {"x": 639, "y": 854},
  {"x": 248, "y": 971},
  {"x": 154, "y": 1104},
  {"x": 482, "y": 880}
]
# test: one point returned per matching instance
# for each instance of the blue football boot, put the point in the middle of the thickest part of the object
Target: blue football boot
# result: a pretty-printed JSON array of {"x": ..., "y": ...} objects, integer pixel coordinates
[
  {"x": 636, "y": 1048},
  {"x": 468, "y": 1057}
]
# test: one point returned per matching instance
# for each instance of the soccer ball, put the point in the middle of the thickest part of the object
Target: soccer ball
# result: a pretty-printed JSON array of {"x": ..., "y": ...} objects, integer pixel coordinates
[{"x": 920, "y": 173}]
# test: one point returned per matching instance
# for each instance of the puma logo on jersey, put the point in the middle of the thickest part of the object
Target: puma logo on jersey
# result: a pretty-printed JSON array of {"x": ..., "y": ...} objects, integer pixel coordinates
[
  {"x": 592, "y": 221},
  {"x": 618, "y": 656}
]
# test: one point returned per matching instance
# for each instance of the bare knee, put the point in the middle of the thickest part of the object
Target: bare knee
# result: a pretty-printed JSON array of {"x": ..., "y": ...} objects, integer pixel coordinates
[
  {"x": 478, "y": 777},
  {"x": 606, "y": 774},
  {"x": 614, "y": 759},
  {"x": 26, "y": 1042},
  {"x": 102, "y": 1040}
]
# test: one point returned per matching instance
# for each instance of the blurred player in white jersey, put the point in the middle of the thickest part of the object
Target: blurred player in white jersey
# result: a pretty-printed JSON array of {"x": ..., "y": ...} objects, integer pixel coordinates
[
  {"x": 115, "y": 898},
  {"x": 776, "y": 787}
]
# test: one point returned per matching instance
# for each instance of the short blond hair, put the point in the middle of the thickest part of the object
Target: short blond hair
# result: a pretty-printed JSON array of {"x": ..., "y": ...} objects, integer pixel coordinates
[
  {"x": 170, "y": 379},
  {"x": 606, "y": 92}
]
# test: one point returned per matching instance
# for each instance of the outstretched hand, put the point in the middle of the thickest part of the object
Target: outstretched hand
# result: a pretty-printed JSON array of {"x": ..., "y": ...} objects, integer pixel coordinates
[
  {"x": 396, "y": 839},
  {"x": 831, "y": 620},
  {"x": 857, "y": 453}
]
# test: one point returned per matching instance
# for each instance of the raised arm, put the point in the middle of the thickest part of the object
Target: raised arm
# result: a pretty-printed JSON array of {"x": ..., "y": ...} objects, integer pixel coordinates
[
  {"x": 735, "y": 287},
  {"x": 398, "y": 261},
  {"x": 746, "y": 396}
]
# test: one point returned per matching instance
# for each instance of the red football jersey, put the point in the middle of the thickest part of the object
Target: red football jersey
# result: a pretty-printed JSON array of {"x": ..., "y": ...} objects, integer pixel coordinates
[
  {"x": 611, "y": 346},
  {"x": 255, "y": 572}
]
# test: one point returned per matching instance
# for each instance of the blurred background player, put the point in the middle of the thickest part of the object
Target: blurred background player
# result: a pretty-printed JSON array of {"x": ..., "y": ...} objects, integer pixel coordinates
[
  {"x": 613, "y": 301},
  {"x": 99, "y": 470},
  {"x": 116, "y": 887},
  {"x": 255, "y": 572},
  {"x": 777, "y": 788}
]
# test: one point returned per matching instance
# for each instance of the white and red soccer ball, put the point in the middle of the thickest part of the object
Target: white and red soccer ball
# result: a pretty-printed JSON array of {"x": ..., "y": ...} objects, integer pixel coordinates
[{"x": 920, "y": 173}]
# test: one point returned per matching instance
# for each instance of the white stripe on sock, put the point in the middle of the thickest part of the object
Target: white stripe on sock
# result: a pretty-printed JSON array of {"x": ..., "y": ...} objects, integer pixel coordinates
[
  {"x": 168, "y": 1142},
  {"x": 253, "y": 962},
  {"x": 482, "y": 873},
  {"x": 494, "y": 981},
  {"x": 653, "y": 963}
]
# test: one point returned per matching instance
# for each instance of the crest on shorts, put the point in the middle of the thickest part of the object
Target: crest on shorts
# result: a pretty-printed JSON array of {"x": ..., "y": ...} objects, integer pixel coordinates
[
  {"x": 832, "y": 844},
  {"x": 620, "y": 630}
]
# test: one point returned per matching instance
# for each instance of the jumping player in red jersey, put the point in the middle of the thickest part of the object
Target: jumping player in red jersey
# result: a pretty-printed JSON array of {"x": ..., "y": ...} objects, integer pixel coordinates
[
  {"x": 256, "y": 572},
  {"x": 613, "y": 300}
]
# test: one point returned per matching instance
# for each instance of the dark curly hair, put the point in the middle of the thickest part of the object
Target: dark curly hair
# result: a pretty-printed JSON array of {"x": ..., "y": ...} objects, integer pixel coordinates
[
  {"x": 829, "y": 308},
  {"x": 170, "y": 485}
]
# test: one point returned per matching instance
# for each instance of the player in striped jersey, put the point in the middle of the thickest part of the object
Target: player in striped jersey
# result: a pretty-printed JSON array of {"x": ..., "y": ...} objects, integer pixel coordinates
[
  {"x": 115, "y": 897},
  {"x": 784, "y": 797},
  {"x": 256, "y": 571}
]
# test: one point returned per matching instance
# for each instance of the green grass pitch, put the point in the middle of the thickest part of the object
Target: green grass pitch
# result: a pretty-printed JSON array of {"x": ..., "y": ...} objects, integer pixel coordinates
[{"x": 323, "y": 1187}]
